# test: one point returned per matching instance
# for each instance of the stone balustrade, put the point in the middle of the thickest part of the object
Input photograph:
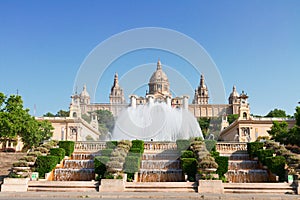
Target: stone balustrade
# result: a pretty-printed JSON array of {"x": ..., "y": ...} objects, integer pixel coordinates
[
  {"x": 224, "y": 147},
  {"x": 89, "y": 146},
  {"x": 160, "y": 146}
]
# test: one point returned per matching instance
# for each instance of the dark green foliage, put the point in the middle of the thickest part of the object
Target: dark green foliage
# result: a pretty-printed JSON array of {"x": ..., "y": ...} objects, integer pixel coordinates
[
  {"x": 232, "y": 117},
  {"x": 106, "y": 119},
  {"x": 204, "y": 125},
  {"x": 111, "y": 144},
  {"x": 182, "y": 145},
  {"x": 276, "y": 165},
  {"x": 276, "y": 113},
  {"x": 135, "y": 150},
  {"x": 138, "y": 144},
  {"x": 187, "y": 154},
  {"x": 210, "y": 145},
  {"x": 59, "y": 152},
  {"x": 189, "y": 166},
  {"x": 106, "y": 152},
  {"x": 222, "y": 162},
  {"x": 214, "y": 154},
  {"x": 100, "y": 165},
  {"x": 45, "y": 164},
  {"x": 68, "y": 146},
  {"x": 252, "y": 147},
  {"x": 132, "y": 164},
  {"x": 263, "y": 154}
]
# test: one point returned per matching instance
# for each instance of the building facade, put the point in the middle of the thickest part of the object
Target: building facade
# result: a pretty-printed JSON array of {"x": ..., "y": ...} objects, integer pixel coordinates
[{"x": 159, "y": 90}]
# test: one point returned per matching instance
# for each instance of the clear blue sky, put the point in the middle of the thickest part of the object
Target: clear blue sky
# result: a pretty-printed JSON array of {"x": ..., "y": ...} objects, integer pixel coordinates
[{"x": 255, "y": 45}]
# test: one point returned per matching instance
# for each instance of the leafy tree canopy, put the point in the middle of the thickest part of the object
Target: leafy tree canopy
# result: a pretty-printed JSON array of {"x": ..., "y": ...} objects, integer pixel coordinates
[
  {"x": 16, "y": 121},
  {"x": 232, "y": 117},
  {"x": 276, "y": 113}
]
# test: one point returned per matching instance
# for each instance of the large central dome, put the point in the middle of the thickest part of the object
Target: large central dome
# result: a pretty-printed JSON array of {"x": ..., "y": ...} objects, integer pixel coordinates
[{"x": 159, "y": 84}]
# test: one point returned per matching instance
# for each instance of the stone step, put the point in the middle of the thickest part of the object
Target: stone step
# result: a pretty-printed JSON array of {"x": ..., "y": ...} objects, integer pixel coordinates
[
  {"x": 161, "y": 187},
  {"x": 60, "y": 186},
  {"x": 278, "y": 188}
]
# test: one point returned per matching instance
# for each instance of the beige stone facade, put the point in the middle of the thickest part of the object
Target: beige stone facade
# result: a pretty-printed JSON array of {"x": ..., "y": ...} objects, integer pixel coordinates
[{"x": 159, "y": 90}]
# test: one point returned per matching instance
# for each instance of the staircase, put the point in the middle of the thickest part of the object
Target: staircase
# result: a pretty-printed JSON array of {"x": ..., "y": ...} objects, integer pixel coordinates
[
  {"x": 63, "y": 186},
  {"x": 272, "y": 188},
  {"x": 161, "y": 187}
]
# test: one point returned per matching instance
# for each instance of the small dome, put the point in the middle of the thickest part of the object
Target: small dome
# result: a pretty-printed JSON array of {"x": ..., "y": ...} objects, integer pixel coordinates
[
  {"x": 158, "y": 75},
  {"x": 84, "y": 92},
  {"x": 234, "y": 93}
]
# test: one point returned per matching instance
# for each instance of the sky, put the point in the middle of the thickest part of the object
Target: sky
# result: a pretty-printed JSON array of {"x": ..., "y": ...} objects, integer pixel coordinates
[{"x": 253, "y": 44}]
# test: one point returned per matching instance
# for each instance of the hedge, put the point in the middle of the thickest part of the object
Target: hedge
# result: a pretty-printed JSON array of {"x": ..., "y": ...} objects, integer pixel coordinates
[
  {"x": 100, "y": 165},
  {"x": 189, "y": 166},
  {"x": 187, "y": 154},
  {"x": 59, "y": 152},
  {"x": 135, "y": 150},
  {"x": 138, "y": 144},
  {"x": 222, "y": 162},
  {"x": 215, "y": 154},
  {"x": 132, "y": 164},
  {"x": 276, "y": 165},
  {"x": 182, "y": 145},
  {"x": 106, "y": 152},
  {"x": 252, "y": 147},
  {"x": 45, "y": 164},
  {"x": 263, "y": 154},
  {"x": 68, "y": 146},
  {"x": 210, "y": 145},
  {"x": 111, "y": 144}
]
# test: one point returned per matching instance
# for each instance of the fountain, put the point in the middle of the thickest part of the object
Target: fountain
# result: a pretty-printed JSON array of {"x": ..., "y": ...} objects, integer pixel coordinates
[
  {"x": 156, "y": 121},
  {"x": 79, "y": 168}
]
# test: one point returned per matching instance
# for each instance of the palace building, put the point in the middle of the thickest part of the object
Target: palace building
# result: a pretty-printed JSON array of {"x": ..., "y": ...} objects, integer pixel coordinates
[{"x": 159, "y": 90}]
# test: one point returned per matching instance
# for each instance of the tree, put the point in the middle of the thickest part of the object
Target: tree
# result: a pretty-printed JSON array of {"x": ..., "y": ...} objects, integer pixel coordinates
[
  {"x": 49, "y": 114},
  {"x": 16, "y": 121},
  {"x": 297, "y": 116},
  {"x": 204, "y": 125},
  {"x": 106, "y": 119},
  {"x": 62, "y": 113},
  {"x": 276, "y": 113},
  {"x": 232, "y": 117},
  {"x": 280, "y": 132}
]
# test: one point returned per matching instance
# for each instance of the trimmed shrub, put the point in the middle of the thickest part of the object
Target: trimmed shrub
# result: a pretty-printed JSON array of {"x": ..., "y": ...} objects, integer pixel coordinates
[
  {"x": 34, "y": 153},
  {"x": 189, "y": 166},
  {"x": 59, "y": 152},
  {"x": 111, "y": 144},
  {"x": 182, "y": 145},
  {"x": 187, "y": 154},
  {"x": 42, "y": 149},
  {"x": 222, "y": 162},
  {"x": 68, "y": 146},
  {"x": 210, "y": 145},
  {"x": 138, "y": 144},
  {"x": 214, "y": 154},
  {"x": 132, "y": 164},
  {"x": 263, "y": 154},
  {"x": 106, "y": 152},
  {"x": 252, "y": 147},
  {"x": 100, "y": 165},
  {"x": 276, "y": 165},
  {"x": 45, "y": 164}
]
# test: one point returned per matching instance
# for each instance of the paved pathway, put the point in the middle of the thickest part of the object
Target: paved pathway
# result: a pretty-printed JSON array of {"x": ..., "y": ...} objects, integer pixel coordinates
[{"x": 140, "y": 195}]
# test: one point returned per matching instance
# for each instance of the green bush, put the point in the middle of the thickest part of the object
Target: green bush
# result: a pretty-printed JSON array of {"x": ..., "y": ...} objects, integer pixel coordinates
[
  {"x": 182, "y": 145},
  {"x": 189, "y": 166},
  {"x": 45, "y": 164},
  {"x": 132, "y": 164},
  {"x": 276, "y": 165},
  {"x": 106, "y": 152},
  {"x": 222, "y": 162},
  {"x": 252, "y": 147},
  {"x": 68, "y": 146},
  {"x": 210, "y": 145},
  {"x": 214, "y": 154},
  {"x": 34, "y": 153},
  {"x": 187, "y": 154},
  {"x": 100, "y": 165},
  {"x": 111, "y": 144},
  {"x": 135, "y": 150},
  {"x": 139, "y": 144},
  {"x": 59, "y": 152},
  {"x": 263, "y": 154}
]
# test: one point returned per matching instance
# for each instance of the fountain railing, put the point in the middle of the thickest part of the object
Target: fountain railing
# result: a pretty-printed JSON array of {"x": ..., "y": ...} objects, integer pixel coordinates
[
  {"x": 160, "y": 146},
  {"x": 89, "y": 146},
  {"x": 229, "y": 147}
]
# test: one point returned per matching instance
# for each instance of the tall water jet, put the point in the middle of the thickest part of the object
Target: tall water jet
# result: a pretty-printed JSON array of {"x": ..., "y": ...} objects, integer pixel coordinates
[{"x": 156, "y": 121}]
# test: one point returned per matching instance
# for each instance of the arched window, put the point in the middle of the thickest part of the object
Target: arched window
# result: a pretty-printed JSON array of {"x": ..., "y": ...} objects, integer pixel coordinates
[
  {"x": 74, "y": 114},
  {"x": 244, "y": 115}
]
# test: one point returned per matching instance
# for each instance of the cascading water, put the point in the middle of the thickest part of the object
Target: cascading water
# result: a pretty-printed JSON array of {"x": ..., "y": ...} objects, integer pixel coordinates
[{"x": 156, "y": 121}]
